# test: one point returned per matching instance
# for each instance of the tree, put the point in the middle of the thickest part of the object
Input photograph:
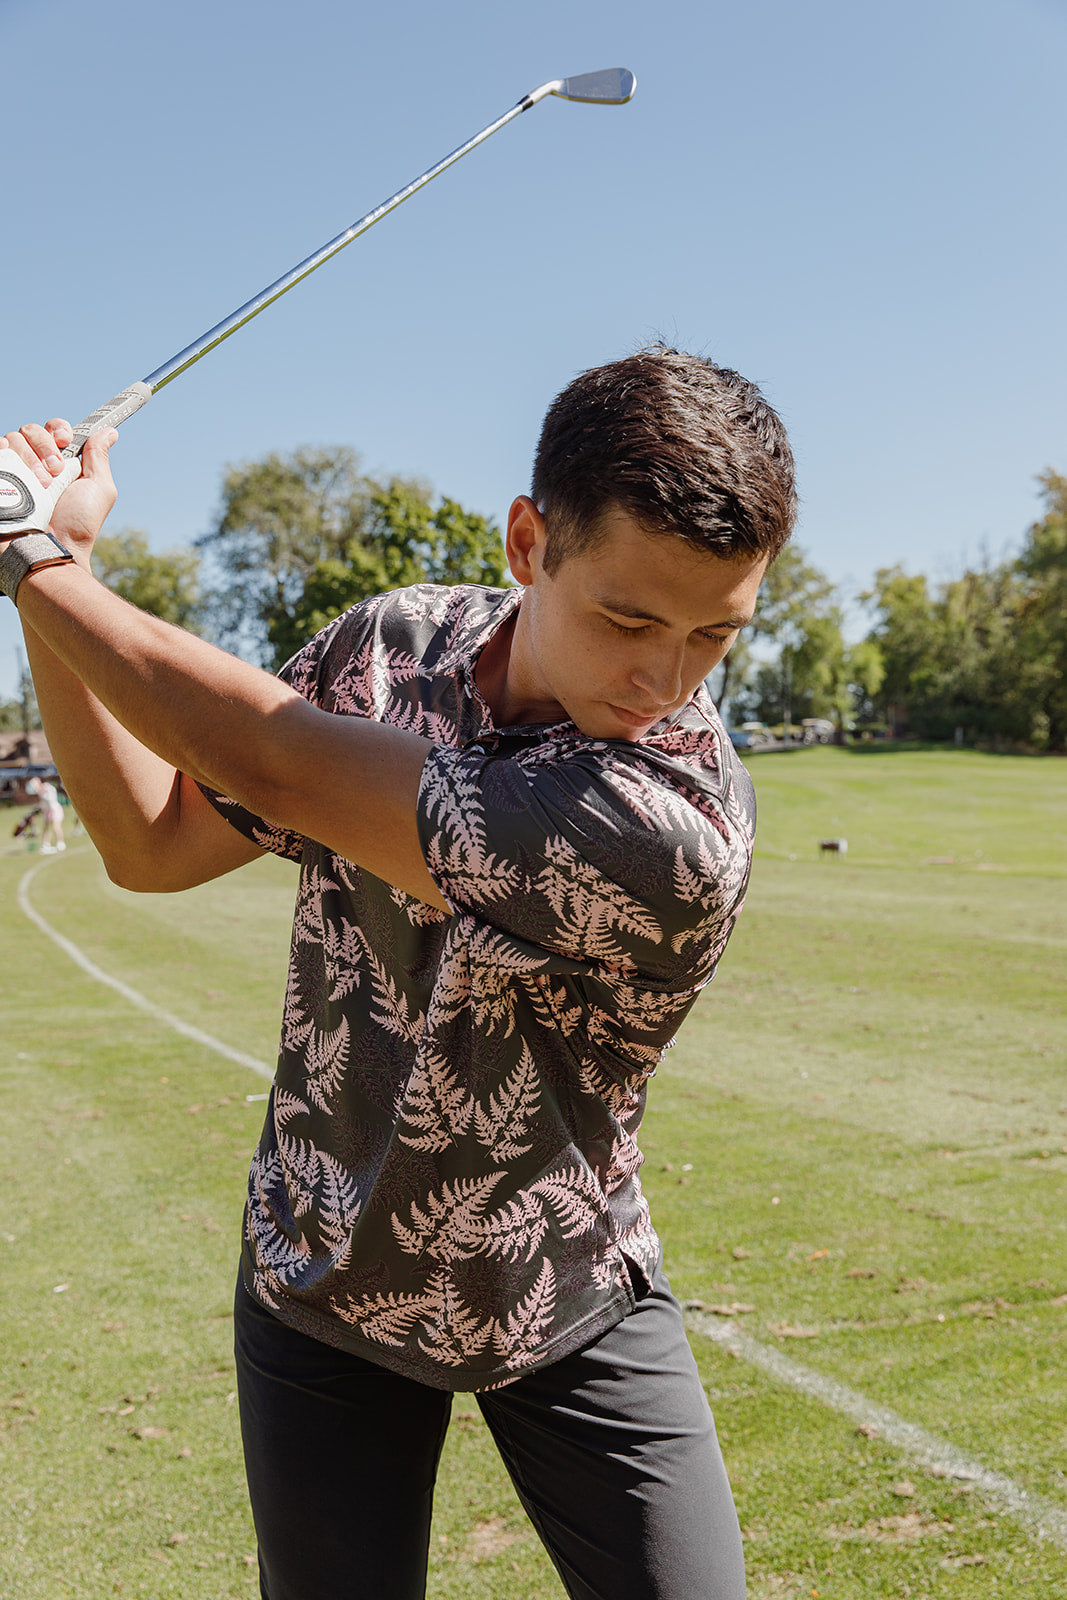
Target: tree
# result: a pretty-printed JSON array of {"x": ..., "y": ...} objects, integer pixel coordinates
[
  {"x": 864, "y": 671},
  {"x": 17, "y": 718},
  {"x": 165, "y": 583},
  {"x": 280, "y": 517},
  {"x": 791, "y": 592},
  {"x": 302, "y": 537},
  {"x": 985, "y": 675},
  {"x": 957, "y": 658},
  {"x": 812, "y": 672},
  {"x": 1042, "y": 571},
  {"x": 797, "y": 612},
  {"x": 21, "y": 714},
  {"x": 403, "y": 540},
  {"x": 830, "y": 678},
  {"x": 905, "y": 633}
]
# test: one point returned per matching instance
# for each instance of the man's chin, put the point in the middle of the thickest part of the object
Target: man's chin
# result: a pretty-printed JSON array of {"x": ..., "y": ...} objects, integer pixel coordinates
[{"x": 613, "y": 722}]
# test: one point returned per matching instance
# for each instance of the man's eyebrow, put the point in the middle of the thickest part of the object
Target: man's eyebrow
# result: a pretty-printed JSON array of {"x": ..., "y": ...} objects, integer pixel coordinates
[{"x": 622, "y": 608}]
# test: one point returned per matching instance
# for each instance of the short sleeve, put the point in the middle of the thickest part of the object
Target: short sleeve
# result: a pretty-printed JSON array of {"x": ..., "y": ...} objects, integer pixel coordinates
[
  {"x": 598, "y": 855},
  {"x": 279, "y": 841}
]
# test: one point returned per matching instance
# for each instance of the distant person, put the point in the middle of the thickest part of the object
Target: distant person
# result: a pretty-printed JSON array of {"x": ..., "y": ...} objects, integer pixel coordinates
[
  {"x": 51, "y": 815},
  {"x": 524, "y": 840}
]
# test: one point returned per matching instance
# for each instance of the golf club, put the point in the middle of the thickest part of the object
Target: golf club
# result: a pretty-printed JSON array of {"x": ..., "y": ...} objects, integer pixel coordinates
[{"x": 26, "y": 505}]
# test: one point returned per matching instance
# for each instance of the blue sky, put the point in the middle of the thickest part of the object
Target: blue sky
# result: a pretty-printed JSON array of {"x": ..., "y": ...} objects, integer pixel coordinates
[{"x": 860, "y": 207}]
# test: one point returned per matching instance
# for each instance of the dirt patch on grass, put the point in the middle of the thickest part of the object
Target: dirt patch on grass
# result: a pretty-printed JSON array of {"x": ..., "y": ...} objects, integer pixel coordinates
[
  {"x": 490, "y": 1538},
  {"x": 907, "y": 1528},
  {"x": 779, "y": 1586}
]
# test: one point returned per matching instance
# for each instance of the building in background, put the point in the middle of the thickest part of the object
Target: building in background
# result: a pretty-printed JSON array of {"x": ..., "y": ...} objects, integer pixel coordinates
[{"x": 23, "y": 756}]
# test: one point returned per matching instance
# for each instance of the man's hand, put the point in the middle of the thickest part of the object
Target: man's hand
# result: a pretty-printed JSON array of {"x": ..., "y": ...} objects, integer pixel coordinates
[{"x": 81, "y": 511}]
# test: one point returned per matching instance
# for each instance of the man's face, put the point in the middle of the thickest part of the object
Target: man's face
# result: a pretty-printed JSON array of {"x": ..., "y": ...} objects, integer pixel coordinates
[{"x": 621, "y": 636}]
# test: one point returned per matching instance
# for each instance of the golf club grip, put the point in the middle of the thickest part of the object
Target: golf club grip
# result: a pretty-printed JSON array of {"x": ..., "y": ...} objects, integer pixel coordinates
[{"x": 110, "y": 415}]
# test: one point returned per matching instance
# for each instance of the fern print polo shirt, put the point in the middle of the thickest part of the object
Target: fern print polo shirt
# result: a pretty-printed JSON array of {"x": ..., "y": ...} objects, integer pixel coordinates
[{"x": 447, "y": 1181}]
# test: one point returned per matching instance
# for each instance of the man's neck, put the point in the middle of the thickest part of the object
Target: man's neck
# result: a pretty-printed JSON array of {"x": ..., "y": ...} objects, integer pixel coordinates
[
  {"x": 491, "y": 671},
  {"x": 505, "y": 680}
]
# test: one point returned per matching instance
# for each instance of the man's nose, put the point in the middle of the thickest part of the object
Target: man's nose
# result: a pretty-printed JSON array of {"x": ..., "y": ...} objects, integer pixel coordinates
[{"x": 661, "y": 678}]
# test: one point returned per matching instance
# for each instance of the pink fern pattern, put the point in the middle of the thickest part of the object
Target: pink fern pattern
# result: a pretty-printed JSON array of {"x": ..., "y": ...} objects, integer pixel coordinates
[
  {"x": 503, "y": 1123},
  {"x": 436, "y": 1110},
  {"x": 448, "y": 1179},
  {"x": 520, "y": 1338},
  {"x": 447, "y": 1230},
  {"x": 326, "y": 1058},
  {"x": 416, "y": 911},
  {"x": 388, "y": 1319},
  {"x": 456, "y": 1334}
]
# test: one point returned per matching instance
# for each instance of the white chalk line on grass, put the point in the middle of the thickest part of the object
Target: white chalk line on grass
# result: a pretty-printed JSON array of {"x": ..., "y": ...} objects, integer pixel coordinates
[
  {"x": 1037, "y": 1514},
  {"x": 135, "y": 998}
]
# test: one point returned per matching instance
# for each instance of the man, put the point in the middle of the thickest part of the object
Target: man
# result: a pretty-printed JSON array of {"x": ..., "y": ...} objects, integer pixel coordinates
[
  {"x": 524, "y": 840},
  {"x": 48, "y": 805}
]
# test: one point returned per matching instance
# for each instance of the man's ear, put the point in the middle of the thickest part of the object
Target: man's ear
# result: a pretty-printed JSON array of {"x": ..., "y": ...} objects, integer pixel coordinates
[{"x": 525, "y": 540}]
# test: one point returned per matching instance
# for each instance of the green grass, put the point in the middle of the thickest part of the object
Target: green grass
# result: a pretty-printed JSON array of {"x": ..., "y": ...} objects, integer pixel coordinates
[
  {"x": 873, "y": 1085},
  {"x": 125, "y": 1150}
]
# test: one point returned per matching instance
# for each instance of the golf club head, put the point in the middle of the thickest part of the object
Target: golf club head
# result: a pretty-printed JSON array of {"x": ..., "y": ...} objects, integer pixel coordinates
[{"x": 611, "y": 87}]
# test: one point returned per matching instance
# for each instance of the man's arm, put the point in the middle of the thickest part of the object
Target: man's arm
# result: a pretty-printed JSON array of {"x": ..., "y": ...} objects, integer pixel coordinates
[
  {"x": 351, "y": 784},
  {"x": 152, "y": 826}
]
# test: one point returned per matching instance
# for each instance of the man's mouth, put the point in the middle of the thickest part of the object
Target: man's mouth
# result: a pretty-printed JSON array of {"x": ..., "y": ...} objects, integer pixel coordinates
[{"x": 635, "y": 719}]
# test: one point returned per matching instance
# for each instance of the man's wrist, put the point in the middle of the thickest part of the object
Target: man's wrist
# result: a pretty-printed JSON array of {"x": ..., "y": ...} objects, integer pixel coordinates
[{"x": 24, "y": 554}]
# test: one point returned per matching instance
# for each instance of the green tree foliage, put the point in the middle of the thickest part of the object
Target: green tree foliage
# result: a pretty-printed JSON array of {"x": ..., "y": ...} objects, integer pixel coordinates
[
  {"x": 165, "y": 583},
  {"x": 21, "y": 714},
  {"x": 864, "y": 672},
  {"x": 302, "y": 537},
  {"x": 812, "y": 671},
  {"x": 797, "y": 611},
  {"x": 12, "y": 716},
  {"x": 904, "y": 631},
  {"x": 280, "y": 517},
  {"x": 793, "y": 592},
  {"x": 789, "y": 590},
  {"x": 1042, "y": 571},
  {"x": 985, "y": 653}
]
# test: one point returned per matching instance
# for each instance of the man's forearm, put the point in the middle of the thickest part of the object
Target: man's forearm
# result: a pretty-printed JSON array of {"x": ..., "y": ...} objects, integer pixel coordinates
[
  {"x": 175, "y": 694},
  {"x": 127, "y": 797}
]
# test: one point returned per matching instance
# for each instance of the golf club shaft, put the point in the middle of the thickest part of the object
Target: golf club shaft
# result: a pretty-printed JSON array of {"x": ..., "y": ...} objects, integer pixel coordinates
[
  {"x": 611, "y": 87},
  {"x": 124, "y": 404},
  {"x": 237, "y": 319},
  {"x": 130, "y": 400}
]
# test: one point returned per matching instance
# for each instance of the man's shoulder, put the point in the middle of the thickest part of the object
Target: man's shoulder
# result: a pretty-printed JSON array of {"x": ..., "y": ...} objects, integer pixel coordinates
[
  {"x": 694, "y": 752},
  {"x": 690, "y": 756},
  {"x": 447, "y": 625},
  {"x": 436, "y": 626},
  {"x": 624, "y": 855}
]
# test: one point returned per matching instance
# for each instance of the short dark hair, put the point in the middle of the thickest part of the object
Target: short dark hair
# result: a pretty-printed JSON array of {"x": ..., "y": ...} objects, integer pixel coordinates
[{"x": 682, "y": 445}]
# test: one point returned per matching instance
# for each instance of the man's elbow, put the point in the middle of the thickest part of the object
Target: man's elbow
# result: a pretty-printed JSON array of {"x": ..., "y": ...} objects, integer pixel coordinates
[
  {"x": 144, "y": 869},
  {"x": 129, "y": 871}
]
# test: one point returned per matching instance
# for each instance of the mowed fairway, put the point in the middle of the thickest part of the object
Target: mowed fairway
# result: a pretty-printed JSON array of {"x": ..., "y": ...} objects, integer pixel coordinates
[{"x": 857, "y": 1152}]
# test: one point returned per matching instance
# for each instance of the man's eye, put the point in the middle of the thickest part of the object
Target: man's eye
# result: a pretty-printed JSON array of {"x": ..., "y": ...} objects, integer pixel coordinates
[{"x": 619, "y": 627}]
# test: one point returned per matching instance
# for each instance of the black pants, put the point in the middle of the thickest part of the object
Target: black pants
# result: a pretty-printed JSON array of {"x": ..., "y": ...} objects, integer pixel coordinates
[{"x": 612, "y": 1451}]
